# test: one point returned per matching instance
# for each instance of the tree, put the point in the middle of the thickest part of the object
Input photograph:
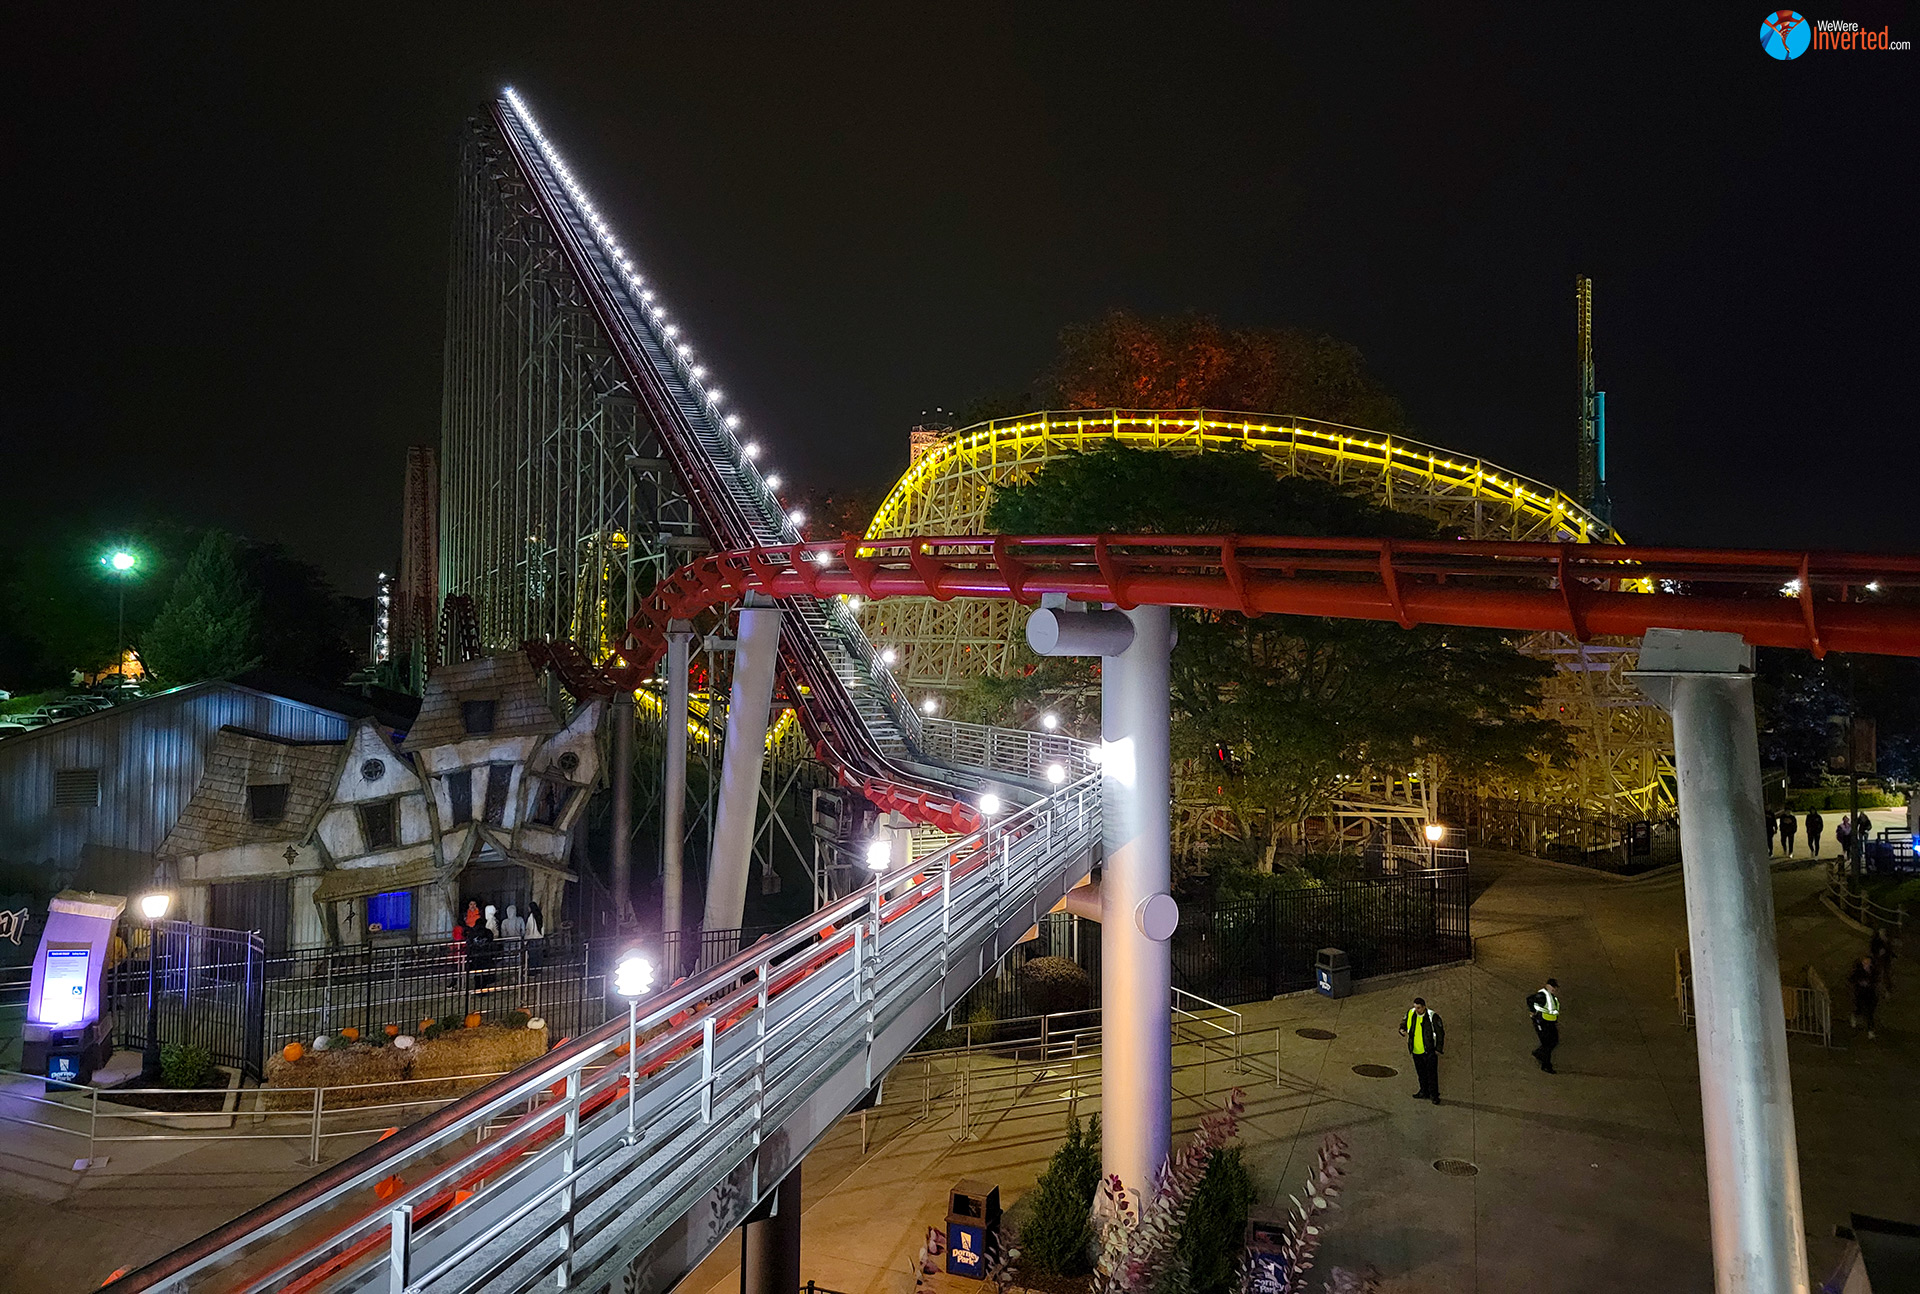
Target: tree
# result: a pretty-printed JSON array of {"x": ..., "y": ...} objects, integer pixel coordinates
[
  {"x": 1289, "y": 707},
  {"x": 1057, "y": 1236},
  {"x": 209, "y": 625},
  {"x": 1190, "y": 361}
]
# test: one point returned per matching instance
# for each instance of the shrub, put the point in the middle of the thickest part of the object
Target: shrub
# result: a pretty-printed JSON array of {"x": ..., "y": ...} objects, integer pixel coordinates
[
  {"x": 185, "y": 1065},
  {"x": 1216, "y": 1226},
  {"x": 1057, "y": 1235},
  {"x": 1052, "y": 984}
]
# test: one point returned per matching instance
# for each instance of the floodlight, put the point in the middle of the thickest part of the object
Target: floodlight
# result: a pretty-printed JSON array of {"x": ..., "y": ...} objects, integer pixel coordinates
[{"x": 632, "y": 976}]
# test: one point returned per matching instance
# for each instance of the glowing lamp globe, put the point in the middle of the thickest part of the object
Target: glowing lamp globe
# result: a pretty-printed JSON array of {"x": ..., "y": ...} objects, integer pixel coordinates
[
  {"x": 154, "y": 906},
  {"x": 122, "y": 561},
  {"x": 1049, "y": 721},
  {"x": 1435, "y": 833},
  {"x": 1056, "y": 774},
  {"x": 989, "y": 804},
  {"x": 632, "y": 976},
  {"x": 879, "y": 854}
]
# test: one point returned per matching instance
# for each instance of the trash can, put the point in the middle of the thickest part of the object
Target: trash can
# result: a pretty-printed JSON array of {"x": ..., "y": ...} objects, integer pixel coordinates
[
  {"x": 1332, "y": 976},
  {"x": 1266, "y": 1247},
  {"x": 973, "y": 1215}
]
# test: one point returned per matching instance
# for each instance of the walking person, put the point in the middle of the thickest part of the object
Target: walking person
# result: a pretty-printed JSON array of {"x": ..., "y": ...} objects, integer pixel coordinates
[
  {"x": 1773, "y": 825},
  {"x": 1789, "y": 827},
  {"x": 1880, "y": 953},
  {"x": 1865, "y": 996},
  {"x": 1544, "y": 1006},
  {"x": 1426, "y": 1041},
  {"x": 1815, "y": 823},
  {"x": 1843, "y": 836}
]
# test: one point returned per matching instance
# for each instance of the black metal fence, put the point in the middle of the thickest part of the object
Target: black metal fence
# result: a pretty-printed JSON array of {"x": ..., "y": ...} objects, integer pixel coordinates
[
  {"x": 209, "y": 986},
  {"x": 317, "y": 991},
  {"x": 1251, "y": 949}
]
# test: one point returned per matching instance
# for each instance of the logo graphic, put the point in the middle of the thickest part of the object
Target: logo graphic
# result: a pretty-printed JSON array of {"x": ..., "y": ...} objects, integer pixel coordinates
[{"x": 1785, "y": 34}]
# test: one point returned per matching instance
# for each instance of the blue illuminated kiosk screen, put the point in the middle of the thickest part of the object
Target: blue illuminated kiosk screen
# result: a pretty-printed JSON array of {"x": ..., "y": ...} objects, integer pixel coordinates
[{"x": 63, "y": 989}]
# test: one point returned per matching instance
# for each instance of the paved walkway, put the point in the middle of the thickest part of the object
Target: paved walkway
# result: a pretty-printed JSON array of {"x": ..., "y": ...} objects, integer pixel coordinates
[{"x": 1590, "y": 1179}]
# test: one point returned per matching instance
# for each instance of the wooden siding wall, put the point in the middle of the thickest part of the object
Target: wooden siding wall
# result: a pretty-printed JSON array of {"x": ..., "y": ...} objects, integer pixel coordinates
[{"x": 150, "y": 755}]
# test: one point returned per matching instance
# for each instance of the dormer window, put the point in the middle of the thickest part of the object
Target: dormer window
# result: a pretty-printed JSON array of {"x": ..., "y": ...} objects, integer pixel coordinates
[
  {"x": 267, "y": 803},
  {"x": 477, "y": 717}
]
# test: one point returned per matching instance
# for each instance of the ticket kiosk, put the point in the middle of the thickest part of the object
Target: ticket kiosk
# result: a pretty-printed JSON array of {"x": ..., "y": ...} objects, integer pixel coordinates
[{"x": 69, "y": 1032}]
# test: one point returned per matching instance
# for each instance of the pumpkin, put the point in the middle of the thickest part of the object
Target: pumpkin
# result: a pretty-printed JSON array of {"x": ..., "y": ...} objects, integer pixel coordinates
[
  {"x": 426, "y": 1024},
  {"x": 393, "y": 1031},
  {"x": 473, "y": 1019},
  {"x": 293, "y": 1051},
  {"x": 350, "y": 1033}
]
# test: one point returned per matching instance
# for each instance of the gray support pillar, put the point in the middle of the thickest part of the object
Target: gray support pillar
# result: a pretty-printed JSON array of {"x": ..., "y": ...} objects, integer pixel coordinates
[
  {"x": 770, "y": 1242},
  {"x": 622, "y": 775},
  {"x": 673, "y": 792},
  {"x": 1136, "y": 912},
  {"x": 754, "y": 659},
  {"x": 1704, "y": 681}
]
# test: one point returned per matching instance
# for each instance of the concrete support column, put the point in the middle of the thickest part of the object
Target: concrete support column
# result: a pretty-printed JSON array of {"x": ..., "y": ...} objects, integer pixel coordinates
[
  {"x": 755, "y": 656},
  {"x": 1137, "y": 915},
  {"x": 1136, "y": 912},
  {"x": 673, "y": 792},
  {"x": 622, "y": 775},
  {"x": 770, "y": 1242},
  {"x": 1704, "y": 681}
]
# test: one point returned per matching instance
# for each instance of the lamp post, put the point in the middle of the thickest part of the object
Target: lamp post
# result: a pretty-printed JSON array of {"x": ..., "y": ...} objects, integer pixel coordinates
[
  {"x": 1435, "y": 833},
  {"x": 121, "y": 563},
  {"x": 153, "y": 907},
  {"x": 632, "y": 977}
]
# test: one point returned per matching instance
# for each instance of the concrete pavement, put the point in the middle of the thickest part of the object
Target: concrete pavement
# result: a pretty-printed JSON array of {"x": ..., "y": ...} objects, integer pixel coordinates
[{"x": 1589, "y": 1179}]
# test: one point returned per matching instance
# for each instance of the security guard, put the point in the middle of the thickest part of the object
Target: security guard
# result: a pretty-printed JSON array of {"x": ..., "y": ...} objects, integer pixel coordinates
[
  {"x": 1426, "y": 1039},
  {"x": 1545, "y": 1008}
]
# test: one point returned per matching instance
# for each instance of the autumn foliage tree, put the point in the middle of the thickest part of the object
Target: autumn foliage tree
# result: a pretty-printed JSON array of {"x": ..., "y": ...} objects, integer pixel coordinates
[{"x": 1191, "y": 361}]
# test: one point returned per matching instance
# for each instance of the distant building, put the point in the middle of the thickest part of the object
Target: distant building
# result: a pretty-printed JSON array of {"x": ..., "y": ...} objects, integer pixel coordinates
[{"x": 926, "y": 436}]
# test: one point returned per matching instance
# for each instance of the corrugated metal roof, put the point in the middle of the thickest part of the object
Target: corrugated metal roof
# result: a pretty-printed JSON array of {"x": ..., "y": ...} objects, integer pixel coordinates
[{"x": 149, "y": 754}]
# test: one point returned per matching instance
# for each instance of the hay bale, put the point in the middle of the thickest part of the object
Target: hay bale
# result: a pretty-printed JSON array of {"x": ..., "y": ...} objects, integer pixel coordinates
[
  {"x": 489, "y": 1049},
  {"x": 334, "y": 1067}
]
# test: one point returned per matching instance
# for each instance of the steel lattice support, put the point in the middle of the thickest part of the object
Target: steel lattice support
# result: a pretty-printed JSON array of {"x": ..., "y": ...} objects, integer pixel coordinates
[{"x": 555, "y": 501}]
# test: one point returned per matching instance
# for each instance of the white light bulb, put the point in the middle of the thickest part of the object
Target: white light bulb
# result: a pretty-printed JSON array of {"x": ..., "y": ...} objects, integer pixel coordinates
[
  {"x": 1049, "y": 721},
  {"x": 989, "y": 803},
  {"x": 879, "y": 854},
  {"x": 1056, "y": 774},
  {"x": 715, "y": 396},
  {"x": 888, "y": 656},
  {"x": 752, "y": 448},
  {"x": 733, "y": 424},
  {"x": 671, "y": 330},
  {"x": 632, "y": 976},
  {"x": 698, "y": 370},
  {"x": 854, "y": 604},
  {"x": 773, "y": 481},
  {"x": 823, "y": 559},
  {"x": 930, "y": 706},
  {"x": 798, "y": 516}
]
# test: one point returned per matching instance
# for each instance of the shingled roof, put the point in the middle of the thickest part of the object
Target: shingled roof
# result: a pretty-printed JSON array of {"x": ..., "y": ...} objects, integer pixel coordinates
[
  {"x": 508, "y": 680},
  {"x": 218, "y": 816}
]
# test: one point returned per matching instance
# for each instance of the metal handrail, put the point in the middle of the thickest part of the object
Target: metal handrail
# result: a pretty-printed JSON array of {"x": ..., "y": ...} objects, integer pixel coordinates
[{"x": 726, "y": 1060}]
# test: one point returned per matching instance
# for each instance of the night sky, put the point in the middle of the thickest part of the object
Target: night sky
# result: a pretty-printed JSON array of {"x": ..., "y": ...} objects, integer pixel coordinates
[{"x": 225, "y": 293}]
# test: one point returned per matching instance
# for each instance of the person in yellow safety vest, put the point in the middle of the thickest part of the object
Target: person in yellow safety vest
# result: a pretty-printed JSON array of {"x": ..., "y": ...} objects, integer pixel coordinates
[
  {"x": 1544, "y": 1004},
  {"x": 1426, "y": 1039}
]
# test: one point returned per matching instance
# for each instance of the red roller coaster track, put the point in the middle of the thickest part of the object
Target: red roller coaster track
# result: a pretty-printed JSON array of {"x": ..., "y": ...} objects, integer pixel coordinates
[{"x": 1821, "y": 602}]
